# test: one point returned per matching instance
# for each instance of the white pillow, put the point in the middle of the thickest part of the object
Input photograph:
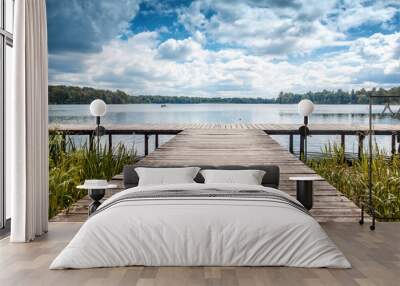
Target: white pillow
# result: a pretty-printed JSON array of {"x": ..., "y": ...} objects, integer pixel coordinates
[
  {"x": 166, "y": 176},
  {"x": 248, "y": 177}
]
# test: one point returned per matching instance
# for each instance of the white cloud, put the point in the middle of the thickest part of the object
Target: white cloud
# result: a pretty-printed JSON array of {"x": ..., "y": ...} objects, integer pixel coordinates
[
  {"x": 180, "y": 50},
  {"x": 280, "y": 27},
  {"x": 353, "y": 13},
  {"x": 378, "y": 47},
  {"x": 265, "y": 27},
  {"x": 139, "y": 66}
]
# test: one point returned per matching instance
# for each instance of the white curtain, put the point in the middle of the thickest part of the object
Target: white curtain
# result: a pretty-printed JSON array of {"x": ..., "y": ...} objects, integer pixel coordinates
[{"x": 27, "y": 123}]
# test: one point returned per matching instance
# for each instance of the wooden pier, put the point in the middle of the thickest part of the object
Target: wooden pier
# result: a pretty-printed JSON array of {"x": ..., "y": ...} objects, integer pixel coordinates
[{"x": 240, "y": 146}]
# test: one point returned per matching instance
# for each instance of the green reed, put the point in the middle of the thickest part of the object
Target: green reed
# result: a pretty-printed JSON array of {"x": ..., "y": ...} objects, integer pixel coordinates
[
  {"x": 70, "y": 165},
  {"x": 350, "y": 177}
]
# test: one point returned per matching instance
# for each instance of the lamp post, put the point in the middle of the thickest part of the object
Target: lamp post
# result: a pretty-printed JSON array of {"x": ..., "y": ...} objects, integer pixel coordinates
[
  {"x": 305, "y": 108},
  {"x": 96, "y": 191},
  {"x": 98, "y": 108}
]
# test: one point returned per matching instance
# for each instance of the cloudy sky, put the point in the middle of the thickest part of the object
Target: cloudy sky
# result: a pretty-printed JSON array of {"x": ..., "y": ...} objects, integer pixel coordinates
[{"x": 245, "y": 48}]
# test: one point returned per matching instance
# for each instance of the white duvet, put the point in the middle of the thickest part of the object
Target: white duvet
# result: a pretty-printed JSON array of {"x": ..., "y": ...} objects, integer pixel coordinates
[{"x": 200, "y": 231}]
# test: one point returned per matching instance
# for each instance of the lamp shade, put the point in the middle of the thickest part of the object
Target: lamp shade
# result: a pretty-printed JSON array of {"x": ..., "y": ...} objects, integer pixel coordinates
[
  {"x": 305, "y": 107},
  {"x": 98, "y": 107}
]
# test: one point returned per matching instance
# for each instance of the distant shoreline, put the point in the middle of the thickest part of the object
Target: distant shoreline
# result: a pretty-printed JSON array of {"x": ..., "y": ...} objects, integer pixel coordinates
[{"x": 60, "y": 95}]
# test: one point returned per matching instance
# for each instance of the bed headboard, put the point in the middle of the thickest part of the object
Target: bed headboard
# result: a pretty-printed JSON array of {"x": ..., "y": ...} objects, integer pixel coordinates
[{"x": 270, "y": 179}]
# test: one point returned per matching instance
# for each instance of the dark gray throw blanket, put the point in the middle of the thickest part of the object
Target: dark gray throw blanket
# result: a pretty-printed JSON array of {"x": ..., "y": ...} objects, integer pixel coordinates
[{"x": 206, "y": 194}]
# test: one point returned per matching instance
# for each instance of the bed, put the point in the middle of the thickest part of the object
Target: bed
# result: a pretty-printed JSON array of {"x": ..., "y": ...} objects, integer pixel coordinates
[{"x": 197, "y": 224}]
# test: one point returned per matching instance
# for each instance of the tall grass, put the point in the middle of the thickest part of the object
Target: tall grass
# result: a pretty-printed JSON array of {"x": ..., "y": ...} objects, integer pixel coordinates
[
  {"x": 70, "y": 165},
  {"x": 351, "y": 178}
]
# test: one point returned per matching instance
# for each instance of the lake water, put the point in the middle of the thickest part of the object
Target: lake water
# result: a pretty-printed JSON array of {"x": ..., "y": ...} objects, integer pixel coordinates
[{"x": 227, "y": 113}]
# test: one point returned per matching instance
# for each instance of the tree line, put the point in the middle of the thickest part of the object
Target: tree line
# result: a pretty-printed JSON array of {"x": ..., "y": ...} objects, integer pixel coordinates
[{"x": 61, "y": 94}]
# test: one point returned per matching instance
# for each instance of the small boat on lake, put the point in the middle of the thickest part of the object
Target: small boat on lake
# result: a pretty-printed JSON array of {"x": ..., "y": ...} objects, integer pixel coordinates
[{"x": 163, "y": 105}]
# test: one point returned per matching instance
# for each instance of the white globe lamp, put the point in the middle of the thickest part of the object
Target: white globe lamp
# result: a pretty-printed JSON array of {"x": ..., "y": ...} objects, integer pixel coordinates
[
  {"x": 98, "y": 108},
  {"x": 305, "y": 107}
]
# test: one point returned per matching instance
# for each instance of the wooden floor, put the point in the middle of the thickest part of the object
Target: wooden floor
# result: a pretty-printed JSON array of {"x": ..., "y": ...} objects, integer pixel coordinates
[
  {"x": 375, "y": 258},
  {"x": 240, "y": 147}
]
